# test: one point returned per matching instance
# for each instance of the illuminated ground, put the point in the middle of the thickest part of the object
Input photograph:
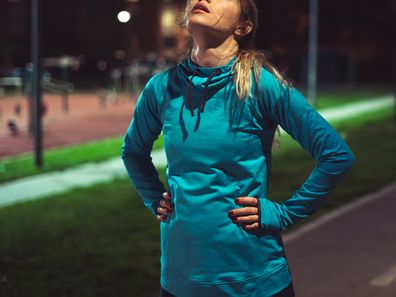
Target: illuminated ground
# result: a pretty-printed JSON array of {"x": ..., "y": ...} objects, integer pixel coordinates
[{"x": 85, "y": 121}]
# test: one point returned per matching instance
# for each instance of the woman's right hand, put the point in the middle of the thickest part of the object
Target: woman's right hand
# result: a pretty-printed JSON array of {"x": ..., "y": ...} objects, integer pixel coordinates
[{"x": 165, "y": 208}]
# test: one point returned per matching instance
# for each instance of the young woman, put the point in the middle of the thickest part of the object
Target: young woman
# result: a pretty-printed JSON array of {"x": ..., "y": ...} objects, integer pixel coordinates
[{"x": 219, "y": 109}]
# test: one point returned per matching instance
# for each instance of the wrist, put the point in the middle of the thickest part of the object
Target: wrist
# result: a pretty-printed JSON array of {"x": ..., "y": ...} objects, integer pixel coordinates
[{"x": 268, "y": 215}]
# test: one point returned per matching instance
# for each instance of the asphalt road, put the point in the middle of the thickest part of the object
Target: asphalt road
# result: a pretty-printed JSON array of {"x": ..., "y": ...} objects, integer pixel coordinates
[{"x": 351, "y": 252}]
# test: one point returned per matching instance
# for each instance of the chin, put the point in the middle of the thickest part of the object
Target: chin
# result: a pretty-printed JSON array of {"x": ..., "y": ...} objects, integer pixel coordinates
[
  {"x": 197, "y": 21},
  {"x": 198, "y": 18}
]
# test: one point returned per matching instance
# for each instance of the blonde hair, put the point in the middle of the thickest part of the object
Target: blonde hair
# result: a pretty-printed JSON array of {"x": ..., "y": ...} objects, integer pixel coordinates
[{"x": 247, "y": 58}]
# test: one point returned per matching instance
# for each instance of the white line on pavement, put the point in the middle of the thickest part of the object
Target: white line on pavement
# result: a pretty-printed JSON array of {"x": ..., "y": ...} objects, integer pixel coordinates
[
  {"x": 386, "y": 278},
  {"x": 326, "y": 218}
]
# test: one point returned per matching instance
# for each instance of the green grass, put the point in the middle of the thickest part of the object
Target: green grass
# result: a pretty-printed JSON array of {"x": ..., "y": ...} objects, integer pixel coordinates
[
  {"x": 102, "y": 241},
  {"x": 334, "y": 97},
  {"x": 65, "y": 157},
  {"x": 90, "y": 242},
  {"x": 287, "y": 143}
]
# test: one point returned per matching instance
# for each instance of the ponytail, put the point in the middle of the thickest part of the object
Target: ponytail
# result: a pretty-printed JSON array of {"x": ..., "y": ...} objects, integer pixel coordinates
[{"x": 246, "y": 60}]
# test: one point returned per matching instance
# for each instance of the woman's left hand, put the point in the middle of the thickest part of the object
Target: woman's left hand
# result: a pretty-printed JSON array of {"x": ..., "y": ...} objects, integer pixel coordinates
[{"x": 249, "y": 215}]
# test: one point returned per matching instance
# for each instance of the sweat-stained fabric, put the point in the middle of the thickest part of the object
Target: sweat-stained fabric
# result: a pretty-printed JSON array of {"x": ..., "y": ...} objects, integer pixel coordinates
[{"x": 218, "y": 148}]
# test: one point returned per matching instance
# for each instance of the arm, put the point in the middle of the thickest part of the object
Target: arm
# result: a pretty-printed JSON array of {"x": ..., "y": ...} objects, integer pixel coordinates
[
  {"x": 143, "y": 130},
  {"x": 289, "y": 108}
]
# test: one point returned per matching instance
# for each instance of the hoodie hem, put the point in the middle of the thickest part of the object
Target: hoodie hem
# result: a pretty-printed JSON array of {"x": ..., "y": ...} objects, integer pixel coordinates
[{"x": 262, "y": 285}]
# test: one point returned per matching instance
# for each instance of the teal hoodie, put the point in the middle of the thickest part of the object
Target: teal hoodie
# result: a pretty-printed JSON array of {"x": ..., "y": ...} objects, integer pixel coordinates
[{"x": 218, "y": 148}]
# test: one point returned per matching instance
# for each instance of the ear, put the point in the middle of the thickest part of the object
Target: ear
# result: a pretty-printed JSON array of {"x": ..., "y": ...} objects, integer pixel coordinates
[{"x": 244, "y": 29}]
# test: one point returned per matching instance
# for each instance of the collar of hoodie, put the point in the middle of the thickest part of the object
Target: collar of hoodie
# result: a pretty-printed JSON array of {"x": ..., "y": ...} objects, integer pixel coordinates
[{"x": 204, "y": 81}]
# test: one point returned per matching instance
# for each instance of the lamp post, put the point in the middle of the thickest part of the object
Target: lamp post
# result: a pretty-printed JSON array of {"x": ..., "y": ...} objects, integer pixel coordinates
[
  {"x": 312, "y": 51},
  {"x": 393, "y": 45},
  {"x": 36, "y": 84}
]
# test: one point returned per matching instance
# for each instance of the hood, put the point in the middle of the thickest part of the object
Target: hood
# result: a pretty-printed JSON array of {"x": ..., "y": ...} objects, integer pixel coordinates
[{"x": 203, "y": 82}]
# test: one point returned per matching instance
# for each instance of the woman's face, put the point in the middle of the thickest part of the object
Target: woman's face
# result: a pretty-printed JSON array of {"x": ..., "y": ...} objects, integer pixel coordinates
[{"x": 214, "y": 16}]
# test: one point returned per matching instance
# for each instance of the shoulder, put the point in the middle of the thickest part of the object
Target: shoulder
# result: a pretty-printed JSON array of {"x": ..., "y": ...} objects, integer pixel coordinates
[
  {"x": 274, "y": 91},
  {"x": 270, "y": 84},
  {"x": 268, "y": 90},
  {"x": 276, "y": 97},
  {"x": 153, "y": 94},
  {"x": 160, "y": 80},
  {"x": 156, "y": 86}
]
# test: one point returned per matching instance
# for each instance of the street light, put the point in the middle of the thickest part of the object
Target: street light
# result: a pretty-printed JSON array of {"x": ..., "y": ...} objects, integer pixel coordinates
[{"x": 124, "y": 16}]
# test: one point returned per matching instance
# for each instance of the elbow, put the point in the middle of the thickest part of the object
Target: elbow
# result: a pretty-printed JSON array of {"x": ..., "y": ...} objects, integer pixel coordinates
[
  {"x": 349, "y": 160},
  {"x": 127, "y": 150},
  {"x": 338, "y": 163},
  {"x": 124, "y": 152},
  {"x": 352, "y": 159},
  {"x": 124, "y": 147}
]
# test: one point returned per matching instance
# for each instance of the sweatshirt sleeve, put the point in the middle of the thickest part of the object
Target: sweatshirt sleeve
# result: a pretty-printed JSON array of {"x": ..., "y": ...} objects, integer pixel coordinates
[
  {"x": 143, "y": 130},
  {"x": 288, "y": 107}
]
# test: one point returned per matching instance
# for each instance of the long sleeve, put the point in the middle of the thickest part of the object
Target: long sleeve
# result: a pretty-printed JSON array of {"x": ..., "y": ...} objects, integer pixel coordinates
[
  {"x": 289, "y": 108},
  {"x": 143, "y": 130}
]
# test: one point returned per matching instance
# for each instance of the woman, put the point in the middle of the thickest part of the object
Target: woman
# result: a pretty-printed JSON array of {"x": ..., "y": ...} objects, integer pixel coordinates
[{"x": 219, "y": 109}]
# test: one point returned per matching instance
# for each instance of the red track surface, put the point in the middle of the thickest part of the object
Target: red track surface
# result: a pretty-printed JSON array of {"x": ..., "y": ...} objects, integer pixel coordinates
[{"x": 86, "y": 120}]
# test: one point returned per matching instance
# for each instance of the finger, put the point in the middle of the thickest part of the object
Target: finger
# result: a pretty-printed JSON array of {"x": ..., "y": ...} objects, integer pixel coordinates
[
  {"x": 161, "y": 218},
  {"x": 244, "y": 211},
  {"x": 162, "y": 211},
  {"x": 167, "y": 196},
  {"x": 247, "y": 201},
  {"x": 250, "y": 227},
  {"x": 246, "y": 219},
  {"x": 166, "y": 204}
]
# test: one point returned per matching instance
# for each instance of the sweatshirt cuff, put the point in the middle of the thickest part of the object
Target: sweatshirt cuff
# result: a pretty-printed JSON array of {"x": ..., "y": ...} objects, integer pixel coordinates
[
  {"x": 269, "y": 218},
  {"x": 153, "y": 208}
]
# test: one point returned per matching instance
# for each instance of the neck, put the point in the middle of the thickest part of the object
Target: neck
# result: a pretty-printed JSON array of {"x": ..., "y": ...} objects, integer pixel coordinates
[{"x": 219, "y": 54}]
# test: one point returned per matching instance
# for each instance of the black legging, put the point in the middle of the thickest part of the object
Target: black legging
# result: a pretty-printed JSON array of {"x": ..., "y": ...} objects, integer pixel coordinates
[{"x": 286, "y": 292}]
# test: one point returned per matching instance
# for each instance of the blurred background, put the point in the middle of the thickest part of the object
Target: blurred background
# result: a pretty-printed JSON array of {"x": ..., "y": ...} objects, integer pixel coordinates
[
  {"x": 354, "y": 42},
  {"x": 75, "y": 225}
]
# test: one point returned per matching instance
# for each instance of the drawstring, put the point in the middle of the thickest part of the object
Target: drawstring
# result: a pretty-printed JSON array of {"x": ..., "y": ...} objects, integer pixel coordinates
[
  {"x": 206, "y": 88},
  {"x": 189, "y": 93},
  {"x": 202, "y": 106}
]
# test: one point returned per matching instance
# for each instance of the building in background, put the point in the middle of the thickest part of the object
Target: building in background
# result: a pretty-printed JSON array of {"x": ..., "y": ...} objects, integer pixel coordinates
[{"x": 355, "y": 37}]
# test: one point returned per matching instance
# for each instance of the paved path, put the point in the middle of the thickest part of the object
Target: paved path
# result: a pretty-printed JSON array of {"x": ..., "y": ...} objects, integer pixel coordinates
[
  {"x": 350, "y": 252},
  {"x": 51, "y": 183},
  {"x": 42, "y": 185},
  {"x": 350, "y": 110}
]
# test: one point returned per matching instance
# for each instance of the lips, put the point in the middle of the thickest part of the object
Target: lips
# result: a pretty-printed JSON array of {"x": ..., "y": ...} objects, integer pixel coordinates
[{"x": 200, "y": 6}]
